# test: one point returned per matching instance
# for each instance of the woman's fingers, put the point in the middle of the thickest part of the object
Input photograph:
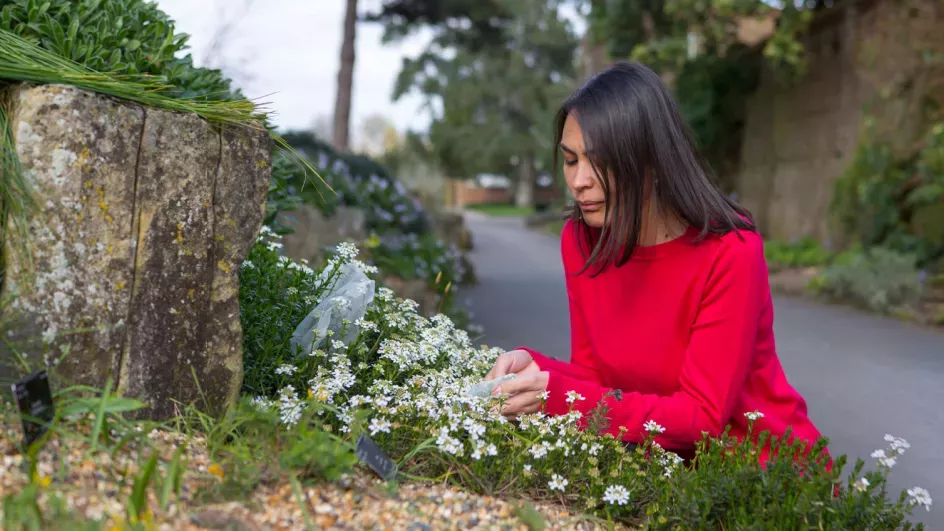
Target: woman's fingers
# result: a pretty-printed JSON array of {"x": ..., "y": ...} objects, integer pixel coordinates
[
  {"x": 514, "y": 361},
  {"x": 520, "y": 360},
  {"x": 532, "y": 381},
  {"x": 502, "y": 367},
  {"x": 526, "y": 393}
]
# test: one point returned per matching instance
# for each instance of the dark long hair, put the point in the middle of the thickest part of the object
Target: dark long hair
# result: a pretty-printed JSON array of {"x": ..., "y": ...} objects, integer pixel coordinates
[{"x": 631, "y": 123}]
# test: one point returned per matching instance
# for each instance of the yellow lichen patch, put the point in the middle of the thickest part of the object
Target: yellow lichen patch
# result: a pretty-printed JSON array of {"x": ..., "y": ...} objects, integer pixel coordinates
[
  {"x": 192, "y": 294},
  {"x": 120, "y": 286},
  {"x": 109, "y": 249},
  {"x": 222, "y": 266},
  {"x": 261, "y": 164},
  {"x": 180, "y": 234},
  {"x": 82, "y": 161},
  {"x": 103, "y": 205}
]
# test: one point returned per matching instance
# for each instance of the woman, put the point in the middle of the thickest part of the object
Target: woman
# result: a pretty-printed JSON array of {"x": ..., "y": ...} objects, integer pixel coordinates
[{"x": 666, "y": 282}]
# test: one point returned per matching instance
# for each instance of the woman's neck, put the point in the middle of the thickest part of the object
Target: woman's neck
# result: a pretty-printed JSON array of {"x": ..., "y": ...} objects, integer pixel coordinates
[{"x": 659, "y": 227}]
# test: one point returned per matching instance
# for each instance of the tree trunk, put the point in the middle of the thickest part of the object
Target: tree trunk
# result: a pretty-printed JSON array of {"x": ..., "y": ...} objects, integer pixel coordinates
[
  {"x": 593, "y": 54},
  {"x": 524, "y": 192},
  {"x": 342, "y": 104}
]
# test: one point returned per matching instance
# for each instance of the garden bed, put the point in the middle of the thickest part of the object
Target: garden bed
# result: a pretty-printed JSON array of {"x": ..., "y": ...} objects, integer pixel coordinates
[
  {"x": 96, "y": 487},
  {"x": 285, "y": 453}
]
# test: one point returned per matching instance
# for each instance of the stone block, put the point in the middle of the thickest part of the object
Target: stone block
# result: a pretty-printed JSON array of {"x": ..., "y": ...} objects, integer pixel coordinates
[{"x": 146, "y": 216}]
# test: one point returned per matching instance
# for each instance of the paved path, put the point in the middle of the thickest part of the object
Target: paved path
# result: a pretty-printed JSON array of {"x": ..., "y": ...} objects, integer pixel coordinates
[{"x": 863, "y": 376}]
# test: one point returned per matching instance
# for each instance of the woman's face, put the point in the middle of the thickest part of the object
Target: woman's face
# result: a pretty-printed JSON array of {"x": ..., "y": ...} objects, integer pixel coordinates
[{"x": 580, "y": 175}]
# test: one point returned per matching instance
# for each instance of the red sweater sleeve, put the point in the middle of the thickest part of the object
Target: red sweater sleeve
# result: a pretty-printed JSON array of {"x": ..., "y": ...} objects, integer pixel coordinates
[
  {"x": 581, "y": 366},
  {"x": 716, "y": 361}
]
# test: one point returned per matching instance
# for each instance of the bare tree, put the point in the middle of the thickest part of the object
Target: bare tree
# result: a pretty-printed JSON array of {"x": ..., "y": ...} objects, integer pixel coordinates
[
  {"x": 213, "y": 57},
  {"x": 342, "y": 104}
]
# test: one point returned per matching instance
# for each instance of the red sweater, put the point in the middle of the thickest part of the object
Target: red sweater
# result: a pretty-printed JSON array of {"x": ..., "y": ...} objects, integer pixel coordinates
[{"x": 685, "y": 331}]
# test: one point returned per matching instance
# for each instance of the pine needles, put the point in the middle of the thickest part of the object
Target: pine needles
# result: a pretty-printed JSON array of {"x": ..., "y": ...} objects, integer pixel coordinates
[{"x": 21, "y": 60}]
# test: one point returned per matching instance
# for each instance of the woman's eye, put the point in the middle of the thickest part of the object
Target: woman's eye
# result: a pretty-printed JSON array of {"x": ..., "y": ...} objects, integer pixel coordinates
[{"x": 570, "y": 162}]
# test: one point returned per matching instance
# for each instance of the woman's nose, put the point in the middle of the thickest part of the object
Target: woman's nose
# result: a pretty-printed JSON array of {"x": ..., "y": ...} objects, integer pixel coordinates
[{"x": 584, "y": 177}]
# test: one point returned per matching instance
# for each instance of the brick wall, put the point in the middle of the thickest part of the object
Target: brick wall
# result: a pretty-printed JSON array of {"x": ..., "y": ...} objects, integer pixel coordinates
[{"x": 464, "y": 194}]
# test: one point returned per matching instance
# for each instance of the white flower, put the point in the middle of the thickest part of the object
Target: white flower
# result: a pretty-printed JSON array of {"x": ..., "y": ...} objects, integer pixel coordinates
[
  {"x": 652, "y": 427},
  {"x": 286, "y": 369},
  {"x": 861, "y": 484},
  {"x": 262, "y": 403},
  {"x": 347, "y": 251},
  {"x": 540, "y": 450},
  {"x": 594, "y": 449},
  {"x": 379, "y": 425},
  {"x": 898, "y": 445},
  {"x": 292, "y": 290},
  {"x": 544, "y": 395},
  {"x": 754, "y": 415},
  {"x": 557, "y": 483},
  {"x": 883, "y": 459},
  {"x": 475, "y": 429},
  {"x": 448, "y": 443},
  {"x": 573, "y": 396},
  {"x": 364, "y": 324},
  {"x": 290, "y": 407},
  {"x": 920, "y": 497},
  {"x": 491, "y": 449},
  {"x": 616, "y": 495},
  {"x": 478, "y": 450},
  {"x": 527, "y": 468}
]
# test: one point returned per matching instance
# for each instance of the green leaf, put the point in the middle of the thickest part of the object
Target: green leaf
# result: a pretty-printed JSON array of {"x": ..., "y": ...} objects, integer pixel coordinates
[
  {"x": 109, "y": 405},
  {"x": 138, "y": 500}
]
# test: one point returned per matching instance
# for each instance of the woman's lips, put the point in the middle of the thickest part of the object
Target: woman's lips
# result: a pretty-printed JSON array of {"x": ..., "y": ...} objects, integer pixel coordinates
[{"x": 591, "y": 206}]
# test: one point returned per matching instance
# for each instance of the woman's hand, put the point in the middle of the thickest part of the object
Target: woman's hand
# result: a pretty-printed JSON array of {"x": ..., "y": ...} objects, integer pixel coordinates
[
  {"x": 517, "y": 362},
  {"x": 526, "y": 393}
]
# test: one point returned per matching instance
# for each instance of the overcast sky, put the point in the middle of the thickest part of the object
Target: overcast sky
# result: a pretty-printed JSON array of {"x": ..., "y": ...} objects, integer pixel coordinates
[{"x": 290, "y": 51}]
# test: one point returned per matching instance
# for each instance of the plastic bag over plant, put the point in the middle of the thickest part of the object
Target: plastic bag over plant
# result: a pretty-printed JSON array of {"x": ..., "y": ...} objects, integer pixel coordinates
[{"x": 342, "y": 306}]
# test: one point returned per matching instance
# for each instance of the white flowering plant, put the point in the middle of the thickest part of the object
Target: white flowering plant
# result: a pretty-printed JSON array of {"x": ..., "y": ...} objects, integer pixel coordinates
[{"x": 404, "y": 379}]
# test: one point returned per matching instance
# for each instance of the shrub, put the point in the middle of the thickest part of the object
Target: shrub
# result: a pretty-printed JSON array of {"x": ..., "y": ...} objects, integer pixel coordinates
[
  {"x": 403, "y": 381},
  {"x": 126, "y": 37},
  {"x": 412, "y": 256},
  {"x": 805, "y": 252},
  {"x": 879, "y": 279}
]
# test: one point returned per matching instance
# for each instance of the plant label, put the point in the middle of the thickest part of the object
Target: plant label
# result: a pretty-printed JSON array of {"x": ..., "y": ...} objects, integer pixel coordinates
[
  {"x": 371, "y": 455},
  {"x": 34, "y": 400}
]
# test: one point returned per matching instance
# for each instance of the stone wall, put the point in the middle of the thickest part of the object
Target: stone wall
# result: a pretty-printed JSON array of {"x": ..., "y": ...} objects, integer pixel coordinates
[
  {"x": 144, "y": 217},
  {"x": 799, "y": 138},
  {"x": 313, "y": 231}
]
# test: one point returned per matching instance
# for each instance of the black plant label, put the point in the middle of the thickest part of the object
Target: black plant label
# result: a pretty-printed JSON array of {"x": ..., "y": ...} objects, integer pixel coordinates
[
  {"x": 34, "y": 401},
  {"x": 371, "y": 455}
]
